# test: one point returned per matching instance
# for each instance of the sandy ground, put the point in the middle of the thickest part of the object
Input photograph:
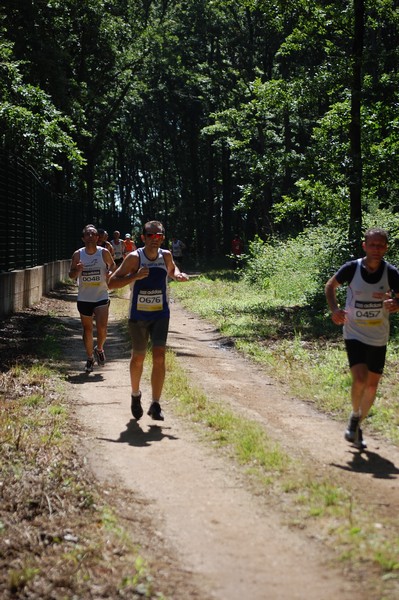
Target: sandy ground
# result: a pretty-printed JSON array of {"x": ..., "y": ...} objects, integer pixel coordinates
[{"x": 218, "y": 539}]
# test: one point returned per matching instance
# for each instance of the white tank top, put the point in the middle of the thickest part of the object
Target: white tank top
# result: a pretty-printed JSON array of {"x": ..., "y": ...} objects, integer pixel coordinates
[
  {"x": 367, "y": 320},
  {"x": 118, "y": 249},
  {"x": 92, "y": 283}
]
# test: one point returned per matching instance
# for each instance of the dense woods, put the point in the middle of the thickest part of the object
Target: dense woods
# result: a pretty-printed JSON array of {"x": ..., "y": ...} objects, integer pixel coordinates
[{"x": 215, "y": 116}]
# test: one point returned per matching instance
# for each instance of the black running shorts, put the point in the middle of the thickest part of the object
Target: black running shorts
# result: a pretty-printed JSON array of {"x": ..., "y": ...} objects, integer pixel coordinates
[
  {"x": 87, "y": 308},
  {"x": 372, "y": 356}
]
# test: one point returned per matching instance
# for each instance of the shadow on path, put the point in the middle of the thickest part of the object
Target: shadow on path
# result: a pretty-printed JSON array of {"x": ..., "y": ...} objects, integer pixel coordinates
[
  {"x": 134, "y": 435},
  {"x": 370, "y": 463},
  {"x": 85, "y": 378}
]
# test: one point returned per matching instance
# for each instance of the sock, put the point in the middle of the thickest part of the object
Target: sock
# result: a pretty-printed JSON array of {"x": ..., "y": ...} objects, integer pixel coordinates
[
  {"x": 356, "y": 414},
  {"x": 136, "y": 394}
]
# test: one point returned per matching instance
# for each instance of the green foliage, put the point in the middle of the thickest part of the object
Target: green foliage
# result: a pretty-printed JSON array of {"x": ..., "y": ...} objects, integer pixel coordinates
[
  {"x": 315, "y": 203},
  {"x": 381, "y": 136},
  {"x": 330, "y": 144},
  {"x": 275, "y": 312},
  {"x": 297, "y": 268},
  {"x": 216, "y": 115},
  {"x": 389, "y": 221},
  {"x": 291, "y": 268},
  {"x": 30, "y": 125}
]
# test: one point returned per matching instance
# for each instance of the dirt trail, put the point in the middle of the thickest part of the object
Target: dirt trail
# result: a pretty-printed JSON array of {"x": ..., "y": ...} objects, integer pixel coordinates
[{"x": 223, "y": 542}]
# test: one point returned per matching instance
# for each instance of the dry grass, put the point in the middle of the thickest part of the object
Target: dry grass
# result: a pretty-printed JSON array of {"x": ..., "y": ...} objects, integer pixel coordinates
[
  {"x": 59, "y": 538},
  {"x": 61, "y": 535}
]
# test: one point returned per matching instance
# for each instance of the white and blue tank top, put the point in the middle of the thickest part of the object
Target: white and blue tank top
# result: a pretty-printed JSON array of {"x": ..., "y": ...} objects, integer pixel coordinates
[{"x": 149, "y": 298}]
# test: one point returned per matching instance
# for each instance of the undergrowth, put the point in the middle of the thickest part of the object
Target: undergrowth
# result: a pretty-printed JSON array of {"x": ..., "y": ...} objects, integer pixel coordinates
[
  {"x": 59, "y": 537},
  {"x": 274, "y": 310}
]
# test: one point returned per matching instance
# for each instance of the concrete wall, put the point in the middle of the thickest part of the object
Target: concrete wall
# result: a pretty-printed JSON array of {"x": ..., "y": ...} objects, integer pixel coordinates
[{"x": 21, "y": 289}]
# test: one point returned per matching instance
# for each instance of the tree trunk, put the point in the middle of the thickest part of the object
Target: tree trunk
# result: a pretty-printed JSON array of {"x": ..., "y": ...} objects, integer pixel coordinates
[{"x": 355, "y": 182}]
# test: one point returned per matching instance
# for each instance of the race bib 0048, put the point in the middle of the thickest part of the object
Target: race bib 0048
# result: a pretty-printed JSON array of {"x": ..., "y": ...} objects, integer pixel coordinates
[{"x": 90, "y": 278}]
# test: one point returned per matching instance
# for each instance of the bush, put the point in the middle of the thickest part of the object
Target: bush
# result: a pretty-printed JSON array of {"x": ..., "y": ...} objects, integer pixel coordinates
[{"x": 295, "y": 270}]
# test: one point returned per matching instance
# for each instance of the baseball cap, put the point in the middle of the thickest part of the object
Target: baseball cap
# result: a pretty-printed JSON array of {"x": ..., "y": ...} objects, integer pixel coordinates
[{"x": 128, "y": 235}]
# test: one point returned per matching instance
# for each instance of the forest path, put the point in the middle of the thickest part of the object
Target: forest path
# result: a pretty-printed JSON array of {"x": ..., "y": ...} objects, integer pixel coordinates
[{"x": 219, "y": 540}]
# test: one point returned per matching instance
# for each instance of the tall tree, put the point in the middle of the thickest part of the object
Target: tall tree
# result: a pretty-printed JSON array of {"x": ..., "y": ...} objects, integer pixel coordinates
[
  {"x": 355, "y": 173},
  {"x": 211, "y": 114}
]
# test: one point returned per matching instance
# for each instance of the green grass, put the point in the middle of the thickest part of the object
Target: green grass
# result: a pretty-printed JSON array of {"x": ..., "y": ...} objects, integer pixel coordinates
[
  {"x": 246, "y": 440},
  {"x": 296, "y": 344},
  {"x": 34, "y": 432},
  {"x": 322, "y": 506}
]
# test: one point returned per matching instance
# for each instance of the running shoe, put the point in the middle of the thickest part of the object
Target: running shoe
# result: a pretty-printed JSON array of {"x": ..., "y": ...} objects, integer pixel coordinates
[
  {"x": 89, "y": 365},
  {"x": 99, "y": 356},
  {"x": 353, "y": 427},
  {"x": 359, "y": 441},
  {"x": 137, "y": 409},
  {"x": 155, "y": 412}
]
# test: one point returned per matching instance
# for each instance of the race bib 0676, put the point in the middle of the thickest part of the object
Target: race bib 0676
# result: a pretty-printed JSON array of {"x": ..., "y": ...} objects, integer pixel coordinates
[{"x": 150, "y": 300}]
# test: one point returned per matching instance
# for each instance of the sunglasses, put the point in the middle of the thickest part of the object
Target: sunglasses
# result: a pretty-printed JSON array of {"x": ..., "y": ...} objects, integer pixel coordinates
[{"x": 154, "y": 235}]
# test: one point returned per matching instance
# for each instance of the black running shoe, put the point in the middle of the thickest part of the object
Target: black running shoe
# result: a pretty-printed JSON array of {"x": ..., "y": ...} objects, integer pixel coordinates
[
  {"x": 89, "y": 365},
  {"x": 155, "y": 412},
  {"x": 359, "y": 441},
  {"x": 352, "y": 430},
  {"x": 99, "y": 356},
  {"x": 137, "y": 409}
]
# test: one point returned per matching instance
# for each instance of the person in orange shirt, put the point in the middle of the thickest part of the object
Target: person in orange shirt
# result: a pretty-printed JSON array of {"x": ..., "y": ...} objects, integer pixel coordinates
[{"x": 130, "y": 246}]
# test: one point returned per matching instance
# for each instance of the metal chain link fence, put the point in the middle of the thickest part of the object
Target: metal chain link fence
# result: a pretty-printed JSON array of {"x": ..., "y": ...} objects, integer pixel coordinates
[{"x": 37, "y": 226}]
